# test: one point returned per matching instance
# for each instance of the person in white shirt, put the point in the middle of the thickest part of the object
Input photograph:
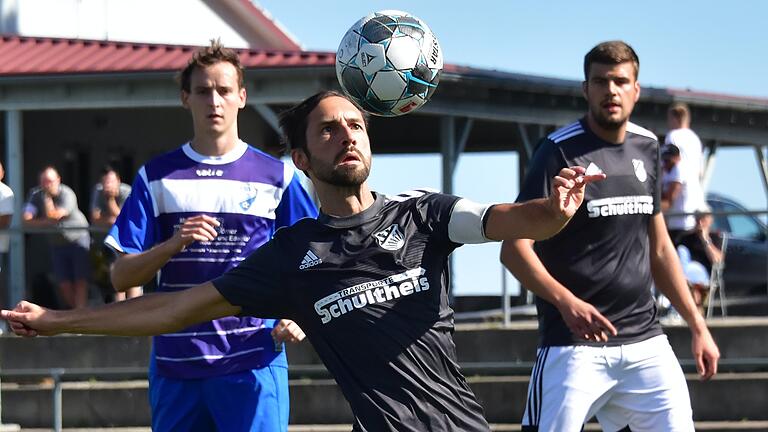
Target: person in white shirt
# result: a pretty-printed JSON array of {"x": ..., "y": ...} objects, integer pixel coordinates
[{"x": 691, "y": 196}]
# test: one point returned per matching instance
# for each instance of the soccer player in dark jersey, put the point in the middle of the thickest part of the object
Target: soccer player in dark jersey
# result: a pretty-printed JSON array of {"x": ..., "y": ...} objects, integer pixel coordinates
[
  {"x": 366, "y": 280},
  {"x": 602, "y": 351}
]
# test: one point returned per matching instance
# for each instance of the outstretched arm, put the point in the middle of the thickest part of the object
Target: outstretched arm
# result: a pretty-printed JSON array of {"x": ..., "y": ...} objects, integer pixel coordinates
[
  {"x": 152, "y": 314},
  {"x": 668, "y": 276},
  {"x": 541, "y": 218}
]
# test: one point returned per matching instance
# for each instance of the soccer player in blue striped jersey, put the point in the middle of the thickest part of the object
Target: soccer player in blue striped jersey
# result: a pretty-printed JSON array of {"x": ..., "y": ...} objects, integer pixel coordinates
[{"x": 194, "y": 213}]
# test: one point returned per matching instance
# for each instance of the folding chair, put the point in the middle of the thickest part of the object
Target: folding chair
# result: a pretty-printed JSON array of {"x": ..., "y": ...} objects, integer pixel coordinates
[{"x": 716, "y": 282}]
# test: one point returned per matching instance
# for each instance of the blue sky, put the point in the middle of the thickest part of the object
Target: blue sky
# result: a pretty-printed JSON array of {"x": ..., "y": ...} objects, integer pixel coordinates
[{"x": 704, "y": 45}]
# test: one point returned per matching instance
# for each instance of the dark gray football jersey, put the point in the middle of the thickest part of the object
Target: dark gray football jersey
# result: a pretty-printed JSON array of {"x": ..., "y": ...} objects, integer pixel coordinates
[
  {"x": 602, "y": 254},
  {"x": 369, "y": 291}
]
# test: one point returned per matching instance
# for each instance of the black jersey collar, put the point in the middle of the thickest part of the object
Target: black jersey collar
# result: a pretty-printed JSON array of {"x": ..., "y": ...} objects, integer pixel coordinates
[{"x": 355, "y": 219}]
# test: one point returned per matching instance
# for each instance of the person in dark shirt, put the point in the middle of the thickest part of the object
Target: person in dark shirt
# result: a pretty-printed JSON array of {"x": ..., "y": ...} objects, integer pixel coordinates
[
  {"x": 602, "y": 351},
  {"x": 367, "y": 280}
]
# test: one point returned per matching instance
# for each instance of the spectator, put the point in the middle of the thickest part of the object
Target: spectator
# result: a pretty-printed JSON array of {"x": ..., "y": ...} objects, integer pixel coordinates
[
  {"x": 6, "y": 212},
  {"x": 671, "y": 184},
  {"x": 703, "y": 244},
  {"x": 53, "y": 204},
  {"x": 690, "y": 166},
  {"x": 107, "y": 199}
]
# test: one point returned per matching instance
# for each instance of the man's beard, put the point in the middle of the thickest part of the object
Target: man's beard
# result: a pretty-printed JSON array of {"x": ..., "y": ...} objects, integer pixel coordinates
[
  {"x": 345, "y": 177},
  {"x": 605, "y": 122},
  {"x": 342, "y": 176}
]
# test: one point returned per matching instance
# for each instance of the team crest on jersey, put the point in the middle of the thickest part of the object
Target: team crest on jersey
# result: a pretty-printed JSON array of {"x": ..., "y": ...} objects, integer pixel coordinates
[
  {"x": 391, "y": 238},
  {"x": 640, "y": 172},
  {"x": 250, "y": 194}
]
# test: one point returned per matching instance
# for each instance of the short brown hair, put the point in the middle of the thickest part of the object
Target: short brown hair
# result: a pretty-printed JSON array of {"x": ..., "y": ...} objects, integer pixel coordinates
[
  {"x": 611, "y": 53},
  {"x": 208, "y": 56},
  {"x": 679, "y": 111},
  {"x": 293, "y": 122}
]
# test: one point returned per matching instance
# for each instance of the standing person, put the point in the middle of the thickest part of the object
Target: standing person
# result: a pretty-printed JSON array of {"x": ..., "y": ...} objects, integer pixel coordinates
[
  {"x": 691, "y": 197},
  {"x": 6, "y": 213},
  {"x": 193, "y": 214},
  {"x": 107, "y": 198},
  {"x": 53, "y": 204},
  {"x": 671, "y": 182},
  {"x": 601, "y": 350},
  {"x": 367, "y": 280}
]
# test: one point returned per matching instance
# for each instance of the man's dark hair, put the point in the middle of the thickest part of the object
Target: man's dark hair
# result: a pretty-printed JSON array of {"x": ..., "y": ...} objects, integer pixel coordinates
[
  {"x": 293, "y": 121},
  {"x": 106, "y": 169},
  {"x": 611, "y": 53},
  {"x": 208, "y": 56}
]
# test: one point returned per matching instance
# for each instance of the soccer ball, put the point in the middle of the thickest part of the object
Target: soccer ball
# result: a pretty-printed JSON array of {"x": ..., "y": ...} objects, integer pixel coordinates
[{"x": 389, "y": 62}]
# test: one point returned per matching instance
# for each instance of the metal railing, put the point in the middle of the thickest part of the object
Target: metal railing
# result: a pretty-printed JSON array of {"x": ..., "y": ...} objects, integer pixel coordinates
[{"x": 506, "y": 311}]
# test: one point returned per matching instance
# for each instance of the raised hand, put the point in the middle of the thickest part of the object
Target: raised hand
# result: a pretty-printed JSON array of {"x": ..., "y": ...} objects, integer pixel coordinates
[{"x": 568, "y": 189}]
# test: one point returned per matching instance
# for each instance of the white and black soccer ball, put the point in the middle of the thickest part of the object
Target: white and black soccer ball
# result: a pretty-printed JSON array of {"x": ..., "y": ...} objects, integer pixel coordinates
[{"x": 389, "y": 62}]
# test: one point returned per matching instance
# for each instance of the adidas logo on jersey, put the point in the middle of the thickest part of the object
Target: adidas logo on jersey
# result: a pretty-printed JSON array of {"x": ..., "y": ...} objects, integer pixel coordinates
[
  {"x": 309, "y": 260},
  {"x": 391, "y": 238}
]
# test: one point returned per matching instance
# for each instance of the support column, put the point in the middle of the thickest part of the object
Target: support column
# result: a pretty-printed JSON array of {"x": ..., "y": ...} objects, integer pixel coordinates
[
  {"x": 709, "y": 165},
  {"x": 15, "y": 169},
  {"x": 451, "y": 149},
  {"x": 269, "y": 116},
  {"x": 763, "y": 165}
]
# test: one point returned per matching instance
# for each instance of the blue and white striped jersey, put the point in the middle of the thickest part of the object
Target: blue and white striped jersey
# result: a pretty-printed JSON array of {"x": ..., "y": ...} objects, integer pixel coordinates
[{"x": 251, "y": 194}]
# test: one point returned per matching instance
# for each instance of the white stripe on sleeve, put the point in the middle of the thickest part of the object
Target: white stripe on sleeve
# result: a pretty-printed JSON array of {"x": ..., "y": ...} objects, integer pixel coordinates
[{"x": 466, "y": 224}]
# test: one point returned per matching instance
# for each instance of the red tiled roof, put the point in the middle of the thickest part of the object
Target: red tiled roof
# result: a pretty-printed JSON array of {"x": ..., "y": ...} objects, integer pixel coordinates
[{"x": 24, "y": 56}]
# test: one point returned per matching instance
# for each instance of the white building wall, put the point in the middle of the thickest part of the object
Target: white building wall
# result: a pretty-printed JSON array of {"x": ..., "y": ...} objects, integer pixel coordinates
[{"x": 184, "y": 22}]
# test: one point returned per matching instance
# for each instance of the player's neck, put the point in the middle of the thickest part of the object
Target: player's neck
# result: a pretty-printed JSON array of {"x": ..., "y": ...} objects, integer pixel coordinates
[
  {"x": 343, "y": 201},
  {"x": 615, "y": 136},
  {"x": 215, "y": 145}
]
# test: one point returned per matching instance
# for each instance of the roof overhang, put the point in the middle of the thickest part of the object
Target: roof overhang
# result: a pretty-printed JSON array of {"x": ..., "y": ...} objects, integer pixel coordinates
[{"x": 124, "y": 75}]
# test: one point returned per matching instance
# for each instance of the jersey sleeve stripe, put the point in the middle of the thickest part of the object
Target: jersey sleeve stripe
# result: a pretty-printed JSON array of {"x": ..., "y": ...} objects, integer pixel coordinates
[
  {"x": 639, "y": 130},
  {"x": 564, "y": 130},
  {"x": 143, "y": 176},
  {"x": 466, "y": 223}
]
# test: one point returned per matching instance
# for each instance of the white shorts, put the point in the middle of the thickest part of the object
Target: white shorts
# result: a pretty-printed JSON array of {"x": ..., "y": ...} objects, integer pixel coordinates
[{"x": 636, "y": 387}]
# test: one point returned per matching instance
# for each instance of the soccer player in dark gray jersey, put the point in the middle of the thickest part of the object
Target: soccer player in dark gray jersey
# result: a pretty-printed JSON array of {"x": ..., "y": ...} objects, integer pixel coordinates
[
  {"x": 610, "y": 231},
  {"x": 366, "y": 280},
  {"x": 602, "y": 351}
]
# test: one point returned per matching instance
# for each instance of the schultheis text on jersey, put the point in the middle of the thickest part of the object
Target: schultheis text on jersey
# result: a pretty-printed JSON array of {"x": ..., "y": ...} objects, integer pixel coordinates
[
  {"x": 621, "y": 205},
  {"x": 367, "y": 293}
]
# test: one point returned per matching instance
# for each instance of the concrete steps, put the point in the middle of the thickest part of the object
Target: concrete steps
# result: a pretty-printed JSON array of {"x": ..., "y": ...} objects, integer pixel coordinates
[
  {"x": 319, "y": 401},
  {"x": 104, "y": 379}
]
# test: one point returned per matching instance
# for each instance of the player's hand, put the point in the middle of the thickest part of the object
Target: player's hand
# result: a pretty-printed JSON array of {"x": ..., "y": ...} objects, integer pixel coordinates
[
  {"x": 568, "y": 189},
  {"x": 705, "y": 353},
  {"x": 287, "y": 331},
  {"x": 29, "y": 320},
  {"x": 586, "y": 322},
  {"x": 195, "y": 228}
]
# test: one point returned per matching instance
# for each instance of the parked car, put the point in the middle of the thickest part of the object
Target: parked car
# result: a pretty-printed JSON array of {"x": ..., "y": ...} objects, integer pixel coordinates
[{"x": 746, "y": 255}]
